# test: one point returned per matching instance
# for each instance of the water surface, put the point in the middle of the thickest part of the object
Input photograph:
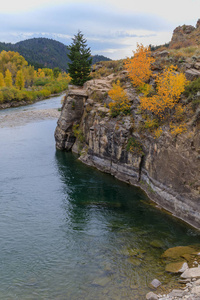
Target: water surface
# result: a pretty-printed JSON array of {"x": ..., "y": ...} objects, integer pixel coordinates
[{"x": 66, "y": 229}]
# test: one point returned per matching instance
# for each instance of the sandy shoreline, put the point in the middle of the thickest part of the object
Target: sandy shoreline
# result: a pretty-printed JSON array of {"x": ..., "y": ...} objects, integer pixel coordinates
[{"x": 24, "y": 117}]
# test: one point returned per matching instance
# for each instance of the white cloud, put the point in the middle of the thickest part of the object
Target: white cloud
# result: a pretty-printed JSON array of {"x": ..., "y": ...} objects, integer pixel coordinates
[{"x": 111, "y": 27}]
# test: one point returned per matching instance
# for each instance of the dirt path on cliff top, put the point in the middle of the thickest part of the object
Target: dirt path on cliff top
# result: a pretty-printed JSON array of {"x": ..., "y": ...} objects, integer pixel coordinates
[{"x": 24, "y": 117}]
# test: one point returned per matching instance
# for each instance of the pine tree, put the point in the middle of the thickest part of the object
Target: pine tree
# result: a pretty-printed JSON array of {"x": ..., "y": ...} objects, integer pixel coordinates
[{"x": 80, "y": 57}]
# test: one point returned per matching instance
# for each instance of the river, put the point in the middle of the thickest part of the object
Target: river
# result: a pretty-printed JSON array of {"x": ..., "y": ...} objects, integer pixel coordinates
[{"x": 66, "y": 230}]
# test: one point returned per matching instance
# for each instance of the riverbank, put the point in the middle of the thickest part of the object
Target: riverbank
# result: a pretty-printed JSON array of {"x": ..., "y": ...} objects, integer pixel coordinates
[
  {"x": 24, "y": 103},
  {"x": 87, "y": 235},
  {"x": 189, "y": 291},
  {"x": 21, "y": 118}
]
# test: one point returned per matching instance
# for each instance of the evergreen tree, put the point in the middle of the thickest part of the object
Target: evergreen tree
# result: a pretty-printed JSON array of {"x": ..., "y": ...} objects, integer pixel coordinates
[{"x": 80, "y": 57}]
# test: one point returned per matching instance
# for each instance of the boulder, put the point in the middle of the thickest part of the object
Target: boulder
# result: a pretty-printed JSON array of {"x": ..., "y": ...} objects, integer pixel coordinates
[
  {"x": 176, "y": 293},
  {"x": 155, "y": 283},
  {"x": 196, "y": 290},
  {"x": 191, "y": 273},
  {"x": 163, "y": 53},
  {"x": 192, "y": 74},
  {"x": 151, "y": 296},
  {"x": 197, "y": 66},
  {"x": 177, "y": 252}
]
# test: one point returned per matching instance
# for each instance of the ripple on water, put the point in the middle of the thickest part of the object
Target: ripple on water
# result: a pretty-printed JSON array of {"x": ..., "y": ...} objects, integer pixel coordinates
[{"x": 68, "y": 231}]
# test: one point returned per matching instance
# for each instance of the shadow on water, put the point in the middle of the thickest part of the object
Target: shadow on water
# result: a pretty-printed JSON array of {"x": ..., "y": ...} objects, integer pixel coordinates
[
  {"x": 68, "y": 231},
  {"x": 118, "y": 218},
  {"x": 88, "y": 187}
]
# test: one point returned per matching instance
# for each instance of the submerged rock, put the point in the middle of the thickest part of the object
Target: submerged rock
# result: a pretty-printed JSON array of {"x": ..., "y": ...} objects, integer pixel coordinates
[
  {"x": 177, "y": 252},
  {"x": 155, "y": 283},
  {"x": 135, "y": 261},
  {"x": 151, "y": 296},
  {"x": 177, "y": 267},
  {"x": 101, "y": 281},
  {"x": 157, "y": 244},
  {"x": 132, "y": 252}
]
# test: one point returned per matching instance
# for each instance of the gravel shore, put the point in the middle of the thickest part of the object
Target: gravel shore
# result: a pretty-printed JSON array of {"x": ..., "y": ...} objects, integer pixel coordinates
[{"x": 23, "y": 117}]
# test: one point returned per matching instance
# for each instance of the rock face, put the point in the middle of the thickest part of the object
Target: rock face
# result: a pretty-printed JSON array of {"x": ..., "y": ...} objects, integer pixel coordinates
[
  {"x": 184, "y": 36},
  {"x": 72, "y": 111},
  {"x": 167, "y": 168}
]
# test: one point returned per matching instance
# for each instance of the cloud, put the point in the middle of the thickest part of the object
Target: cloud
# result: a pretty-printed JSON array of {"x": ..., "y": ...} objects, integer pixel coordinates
[
  {"x": 103, "y": 26},
  {"x": 69, "y": 18}
]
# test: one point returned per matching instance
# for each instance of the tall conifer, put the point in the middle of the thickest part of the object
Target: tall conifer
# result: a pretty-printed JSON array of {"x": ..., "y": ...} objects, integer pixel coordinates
[{"x": 80, "y": 57}]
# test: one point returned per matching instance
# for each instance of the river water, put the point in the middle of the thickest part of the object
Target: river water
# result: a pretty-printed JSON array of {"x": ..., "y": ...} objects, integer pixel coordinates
[{"x": 66, "y": 230}]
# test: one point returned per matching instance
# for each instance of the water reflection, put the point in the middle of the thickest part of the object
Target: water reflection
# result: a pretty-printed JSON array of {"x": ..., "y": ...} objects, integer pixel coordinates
[
  {"x": 121, "y": 235},
  {"x": 68, "y": 231}
]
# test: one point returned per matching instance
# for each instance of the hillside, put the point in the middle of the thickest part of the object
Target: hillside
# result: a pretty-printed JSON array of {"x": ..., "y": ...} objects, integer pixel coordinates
[
  {"x": 185, "y": 36},
  {"x": 43, "y": 52},
  {"x": 146, "y": 134}
]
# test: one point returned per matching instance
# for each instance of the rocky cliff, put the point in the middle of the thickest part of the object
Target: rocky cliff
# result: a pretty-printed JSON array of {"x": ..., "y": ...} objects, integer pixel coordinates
[
  {"x": 167, "y": 168},
  {"x": 186, "y": 35}
]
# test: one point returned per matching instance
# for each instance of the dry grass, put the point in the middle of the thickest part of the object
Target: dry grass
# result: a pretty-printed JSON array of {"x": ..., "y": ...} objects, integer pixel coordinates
[
  {"x": 185, "y": 52},
  {"x": 108, "y": 67}
]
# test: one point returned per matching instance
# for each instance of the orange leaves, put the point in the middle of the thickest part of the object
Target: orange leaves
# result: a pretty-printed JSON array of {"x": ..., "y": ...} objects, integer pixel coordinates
[
  {"x": 121, "y": 102},
  {"x": 170, "y": 85},
  {"x": 139, "y": 66},
  {"x": 178, "y": 129}
]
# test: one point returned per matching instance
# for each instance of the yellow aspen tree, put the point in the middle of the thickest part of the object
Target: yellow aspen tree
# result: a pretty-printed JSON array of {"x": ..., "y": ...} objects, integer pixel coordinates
[
  {"x": 120, "y": 104},
  {"x": 19, "y": 82},
  {"x": 41, "y": 73},
  {"x": 170, "y": 85},
  {"x": 8, "y": 78},
  {"x": 2, "y": 82},
  {"x": 139, "y": 66}
]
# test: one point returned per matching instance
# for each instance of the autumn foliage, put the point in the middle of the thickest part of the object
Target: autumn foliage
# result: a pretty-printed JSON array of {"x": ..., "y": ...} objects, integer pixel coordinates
[
  {"x": 120, "y": 104},
  {"x": 139, "y": 66},
  {"x": 20, "y": 81},
  {"x": 170, "y": 85}
]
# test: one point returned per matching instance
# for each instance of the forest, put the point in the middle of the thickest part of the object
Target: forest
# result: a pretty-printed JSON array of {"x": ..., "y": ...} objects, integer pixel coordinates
[
  {"x": 19, "y": 81},
  {"x": 45, "y": 53}
]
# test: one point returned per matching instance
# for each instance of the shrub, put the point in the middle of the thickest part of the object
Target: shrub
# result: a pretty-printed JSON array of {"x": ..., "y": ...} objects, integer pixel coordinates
[
  {"x": 177, "y": 129},
  {"x": 170, "y": 85},
  {"x": 41, "y": 81},
  {"x": 8, "y": 94},
  {"x": 151, "y": 124},
  {"x": 121, "y": 103},
  {"x": 134, "y": 146},
  {"x": 78, "y": 133},
  {"x": 158, "y": 132},
  {"x": 192, "y": 88},
  {"x": 146, "y": 89},
  {"x": 1, "y": 97}
]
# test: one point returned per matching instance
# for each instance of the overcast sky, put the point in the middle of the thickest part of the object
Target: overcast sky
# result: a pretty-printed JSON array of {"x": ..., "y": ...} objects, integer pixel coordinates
[{"x": 112, "y": 27}]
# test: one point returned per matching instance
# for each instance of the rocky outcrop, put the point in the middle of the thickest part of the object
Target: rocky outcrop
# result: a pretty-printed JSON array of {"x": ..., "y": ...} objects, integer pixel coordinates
[
  {"x": 72, "y": 111},
  {"x": 186, "y": 35},
  {"x": 192, "y": 74},
  {"x": 167, "y": 168}
]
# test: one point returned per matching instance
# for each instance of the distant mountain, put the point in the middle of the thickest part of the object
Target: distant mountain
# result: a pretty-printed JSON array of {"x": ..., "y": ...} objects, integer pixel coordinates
[
  {"x": 97, "y": 58},
  {"x": 43, "y": 52}
]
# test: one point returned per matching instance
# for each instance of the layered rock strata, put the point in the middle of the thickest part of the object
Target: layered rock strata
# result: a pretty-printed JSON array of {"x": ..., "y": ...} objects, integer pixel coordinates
[{"x": 167, "y": 168}]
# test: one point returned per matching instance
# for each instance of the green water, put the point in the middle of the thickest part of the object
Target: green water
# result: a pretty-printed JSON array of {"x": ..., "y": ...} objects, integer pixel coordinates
[{"x": 66, "y": 230}]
